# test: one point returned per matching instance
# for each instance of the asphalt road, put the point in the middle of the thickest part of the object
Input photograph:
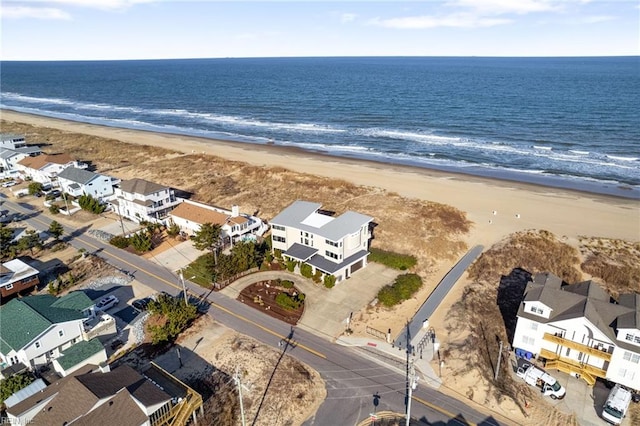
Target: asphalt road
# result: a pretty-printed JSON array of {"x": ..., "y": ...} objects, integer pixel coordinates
[
  {"x": 435, "y": 298},
  {"x": 351, "y": 380}
]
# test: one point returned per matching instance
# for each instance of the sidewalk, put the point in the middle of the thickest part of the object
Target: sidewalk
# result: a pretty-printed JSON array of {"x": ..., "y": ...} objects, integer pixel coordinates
[{"x": 421, "y": 359}]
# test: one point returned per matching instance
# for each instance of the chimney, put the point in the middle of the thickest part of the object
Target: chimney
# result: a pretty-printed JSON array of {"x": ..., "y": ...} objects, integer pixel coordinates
[{"x": 235, "y": 211}]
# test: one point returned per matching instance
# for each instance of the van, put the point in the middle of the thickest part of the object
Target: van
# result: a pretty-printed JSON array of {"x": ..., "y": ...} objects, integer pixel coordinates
[
  {"x": 535, "y": 376},
  {"x": 617, "y": 404}
]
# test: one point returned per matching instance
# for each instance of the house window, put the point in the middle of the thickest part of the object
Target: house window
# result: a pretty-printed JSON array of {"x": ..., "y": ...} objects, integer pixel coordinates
[
  {"x": 630, "y": 356},
  {"x": 534, "y": 325},
  {"x": 536, "y": 310},
  {"x": 636, "y": 339},
  {"x": 38, "y": 345},
  {"x": 278, "y": 227},
  {"x": 279, "y": 239},
  {"x": 622, "y": 372},
  {"x": 629, "y": 337},
  {"x": 331, "y": 255},
  {"x": 8, "y": 287},
  {"x": 528, "y": 340},
  {"x": 60, "y": 333}
]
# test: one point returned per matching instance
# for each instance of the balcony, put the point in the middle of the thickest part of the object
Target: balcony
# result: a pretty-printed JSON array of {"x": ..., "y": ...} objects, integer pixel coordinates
[
  {"x": 587, "y": 372},
  {"x": 598, "y": 353}
]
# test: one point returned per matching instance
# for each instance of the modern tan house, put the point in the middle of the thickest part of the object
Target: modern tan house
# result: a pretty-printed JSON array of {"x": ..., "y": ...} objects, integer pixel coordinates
[{"x": 236, "y": 226}]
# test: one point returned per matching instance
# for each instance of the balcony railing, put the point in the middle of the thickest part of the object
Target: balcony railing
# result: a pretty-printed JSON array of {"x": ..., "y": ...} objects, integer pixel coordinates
[
  {"x": 573, "y": 365},
  {"x": 598, "y": 353}
]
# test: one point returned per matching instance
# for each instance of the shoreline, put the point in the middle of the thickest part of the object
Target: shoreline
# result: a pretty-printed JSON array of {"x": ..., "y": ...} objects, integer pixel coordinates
[
  {"x": 507, "y": 177},
  {"x": 518, "y": 206}
]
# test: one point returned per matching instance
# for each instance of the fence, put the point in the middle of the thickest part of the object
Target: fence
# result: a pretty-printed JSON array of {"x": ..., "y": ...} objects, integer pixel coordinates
[
  {"x": 222, "y": 284},
  {"x": 377, "y": 333}
]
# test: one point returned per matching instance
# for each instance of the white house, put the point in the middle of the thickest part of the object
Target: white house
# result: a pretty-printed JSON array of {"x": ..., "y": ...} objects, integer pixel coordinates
[
  {"x": 579, "y": 329},
  {"x": 9, "y": 157},
  {"x": 336, "y": 246},
  {"x": 139, "y": 199},
  {"x": 189, "y": 215},
  {"x": 37, "y": 329},
  {"x": 12, "y": 141},
  {"x": 79, "y": 182},
  {"x": 44, "y": 168}
]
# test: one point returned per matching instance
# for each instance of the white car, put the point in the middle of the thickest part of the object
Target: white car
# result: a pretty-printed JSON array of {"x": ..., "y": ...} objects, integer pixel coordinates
[
  {"x": 10, "y": 183},
  {"x": 107, "y": 303}
]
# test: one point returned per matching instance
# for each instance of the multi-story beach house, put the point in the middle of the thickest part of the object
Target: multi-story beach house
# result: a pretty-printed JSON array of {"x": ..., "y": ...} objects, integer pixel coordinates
[
  {"x": 17, "y": 276},
  {"x": 44, "y": 168},
  {"x": 79, "y": 182},
  {"x": 236, "y": 226},
  {"x": 9, "y": 157},
  {"x": 336, "y": 246},
  {"x": 37, "y": 329},
  {"x": 95, "y": 396},
  {"x": 141, "y": 200},
  {"x": 581, "y": 330},
  {"x": 12, "y": 141}
]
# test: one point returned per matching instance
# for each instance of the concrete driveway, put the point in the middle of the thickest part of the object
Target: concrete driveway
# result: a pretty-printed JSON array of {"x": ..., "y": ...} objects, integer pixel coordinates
[
  {"x": 111, "y": 224},
  {"x": 326, "y": 310}
]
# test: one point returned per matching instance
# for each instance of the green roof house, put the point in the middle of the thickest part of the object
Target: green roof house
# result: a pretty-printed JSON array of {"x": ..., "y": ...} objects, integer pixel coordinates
[{"x": 37, "y": 329}]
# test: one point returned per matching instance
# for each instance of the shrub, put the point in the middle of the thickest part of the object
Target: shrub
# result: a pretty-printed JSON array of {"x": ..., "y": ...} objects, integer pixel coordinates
[
  {"x": 402, "y": 289},
  {"x": 392, "y": 260},
  {"x": 306, "y": 270},
  {"x": 291, "y": 265},
  {"x": 317, "y": 277},
  {"x": 54, "y": 209},
  {"x": 90, "y": 204},
  {"x": 119, "y": 241},
  {"x": 173, "y": 229},
  {"x": 288, "y": 302},
  {"x": 286, "y": 284},
  {"x": 141, "y": 241},
  {"x": 35, "y": 187},
  {"x": 169, "y": 316},
  {"x": 329, "y": 281},
  {"x": 13, "y": 384},
  {"x": 278, "y": 254}
]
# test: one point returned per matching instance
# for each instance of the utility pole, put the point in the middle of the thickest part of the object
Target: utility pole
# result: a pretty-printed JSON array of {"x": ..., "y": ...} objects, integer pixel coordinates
[
  {"x": 184, "y": 289},
  {"x": 120, "y": 216},
  {"x": 413, "y": 383},
  {"x": 237, "y": 380},
  {"x": 499, "y": 359}
]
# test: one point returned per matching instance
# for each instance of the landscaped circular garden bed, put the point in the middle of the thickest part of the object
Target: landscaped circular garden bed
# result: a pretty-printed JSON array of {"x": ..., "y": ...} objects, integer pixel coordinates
[{"x": 277, "y": 298}]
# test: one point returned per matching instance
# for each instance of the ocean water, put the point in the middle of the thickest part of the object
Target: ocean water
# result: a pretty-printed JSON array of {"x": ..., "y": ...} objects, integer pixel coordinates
[{"x": 564, "y": 122}]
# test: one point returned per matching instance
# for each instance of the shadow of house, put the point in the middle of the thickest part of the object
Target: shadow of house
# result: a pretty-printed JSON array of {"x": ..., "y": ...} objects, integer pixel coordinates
[{"x": 509, "y": 297}]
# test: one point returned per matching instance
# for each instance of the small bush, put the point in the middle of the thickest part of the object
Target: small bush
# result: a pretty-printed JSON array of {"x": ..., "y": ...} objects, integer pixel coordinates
[
  {"x": 90, "y": 204},
  {"x": 329, "y": 281},
  {"x": 402, "y": 289},
  {"x": 141, "y": 241},
  {"x": 317, "y": 277},
  {"x": 291, "y": 265},
  {"x": 35, "y": 187},
  {"x": 286, "y": 284},
  {"x": 288, "y": 302},
  {"x": 54, "y": 209},
  {"x": 119, "y": 241},
  {"x": 306, "y": 270},
  {"x": 392, "y": 260}
]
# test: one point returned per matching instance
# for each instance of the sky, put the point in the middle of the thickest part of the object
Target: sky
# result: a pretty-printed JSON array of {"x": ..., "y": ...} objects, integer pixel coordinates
[{"x": 159, "y": 29}]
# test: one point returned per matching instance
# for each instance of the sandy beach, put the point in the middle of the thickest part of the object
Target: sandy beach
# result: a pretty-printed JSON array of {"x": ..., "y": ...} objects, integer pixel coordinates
[{"x": 497, "y": 208}]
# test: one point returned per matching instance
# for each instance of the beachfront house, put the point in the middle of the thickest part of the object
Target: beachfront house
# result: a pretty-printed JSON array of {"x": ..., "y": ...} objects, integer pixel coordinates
[
  {"x": 17, "y": 276},
  {"x": 12, "y": 141},
  {"x": 336, "y": 246},
  {"x": 581, "y": 330},
  {"x": 141, "y": 200},
  {"x": 37, "y": 329},
  {"x": 95, "y": 395},
  {"x": 44, "y": 168},
  {"x": 236, "y": 226},
  {"x": 79, "y": 182},
  {"x": 9, "y": 157}
]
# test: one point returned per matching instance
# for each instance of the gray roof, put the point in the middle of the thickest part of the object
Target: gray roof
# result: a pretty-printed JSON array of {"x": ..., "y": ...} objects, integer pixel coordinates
[
  {"x": 330, "y": 267},
  {"x": 141, "y": 186},
  {"x": 7, "y": 136},
  {"x": 582, "y": 300},
  {"x": 335, "y": 229},
  {"x": 77, "y": 175},
  {"x": 300, "y": 252}
]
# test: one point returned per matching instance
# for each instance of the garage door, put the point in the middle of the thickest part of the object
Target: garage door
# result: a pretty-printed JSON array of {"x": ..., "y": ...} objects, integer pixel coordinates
[{"x": 357, "y": 265}]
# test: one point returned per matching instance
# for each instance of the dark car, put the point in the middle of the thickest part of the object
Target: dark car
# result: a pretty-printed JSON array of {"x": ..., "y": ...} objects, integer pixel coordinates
[{"x": 141, "y": 304}]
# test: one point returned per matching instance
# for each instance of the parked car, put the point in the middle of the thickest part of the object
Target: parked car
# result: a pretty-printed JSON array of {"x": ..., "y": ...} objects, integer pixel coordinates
[
  {"x": 141, "y": 304},
  {"x": 107, "y": 303},
  {"x": 55, "y": 193},
  {"x": 9, "y": 184}
]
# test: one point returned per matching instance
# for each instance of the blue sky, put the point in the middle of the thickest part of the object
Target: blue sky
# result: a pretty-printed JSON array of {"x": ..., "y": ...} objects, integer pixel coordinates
[{"x": 150, "y": 29}]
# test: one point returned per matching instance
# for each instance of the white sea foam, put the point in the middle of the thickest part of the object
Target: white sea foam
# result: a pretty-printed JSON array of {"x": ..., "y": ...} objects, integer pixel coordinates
[
  {"x": 622, "y": 158},
  {"x": 545, "y": 148},
  {"x": 577, "y": 152}
]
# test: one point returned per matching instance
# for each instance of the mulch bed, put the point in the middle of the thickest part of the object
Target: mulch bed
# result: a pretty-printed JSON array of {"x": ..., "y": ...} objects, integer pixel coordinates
[{"x": 262, "y": 296}]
